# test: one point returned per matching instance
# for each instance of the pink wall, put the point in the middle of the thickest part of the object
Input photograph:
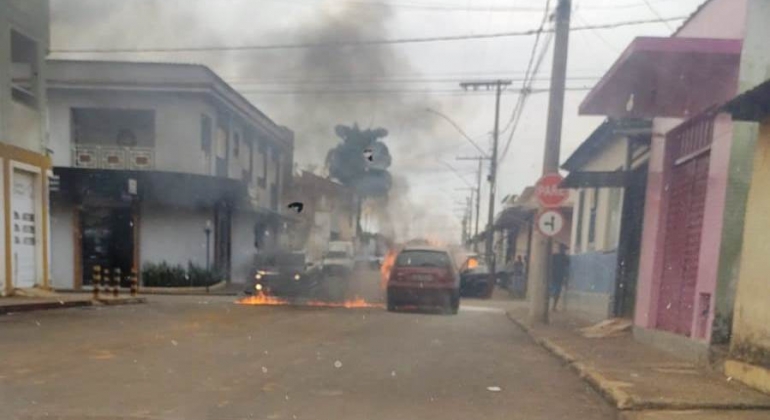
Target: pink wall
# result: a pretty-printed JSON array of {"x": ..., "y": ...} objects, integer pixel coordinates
[
  {"x": 723, "y": 19},
  {"x": 651, "y": 258},
  {"x": 711, "y": 237}
]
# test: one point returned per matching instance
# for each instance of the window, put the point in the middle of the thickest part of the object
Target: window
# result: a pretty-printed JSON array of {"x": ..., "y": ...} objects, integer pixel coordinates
[
  {"x": 422, "y": 259},
  {"x": 206, "y": 133},
  {"x": 113, "y": 127},
  {"x": 264, "y": 149},
  {"x": 592, "y": 217},
  {"x": 579, "y": 227},
  {"x": 24, "y": 69}
]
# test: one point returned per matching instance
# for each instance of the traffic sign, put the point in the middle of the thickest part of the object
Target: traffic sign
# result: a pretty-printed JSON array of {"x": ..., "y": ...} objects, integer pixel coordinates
[
  {"x": 550, "y": 222},
  {"x": 548, "y": 193}
]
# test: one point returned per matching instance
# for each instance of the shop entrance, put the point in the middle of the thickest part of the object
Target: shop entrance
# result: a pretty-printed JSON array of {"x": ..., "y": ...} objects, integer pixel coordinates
[{"x": 107, "y": 240}]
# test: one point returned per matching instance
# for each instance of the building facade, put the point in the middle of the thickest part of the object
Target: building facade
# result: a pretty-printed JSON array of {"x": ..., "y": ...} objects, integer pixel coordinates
[
  {"x": 24, "y": 161},
  {"x": 750, "y": 341},
  {"x": 328, "y": 214},
  {"x": 608, "y": 172},
  {"x": 160, "y": 163},
  {"x": 697, "y": 172}
]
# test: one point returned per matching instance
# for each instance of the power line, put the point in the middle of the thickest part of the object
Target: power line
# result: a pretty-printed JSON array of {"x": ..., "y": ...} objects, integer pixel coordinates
[
  {"x": 447, "y": 7},
  {"x": 374, "y": 81},
  {"x": 388, "y": 91},
  {"x": 655, "y": 12},
  {"x": 371, "y": 42}
]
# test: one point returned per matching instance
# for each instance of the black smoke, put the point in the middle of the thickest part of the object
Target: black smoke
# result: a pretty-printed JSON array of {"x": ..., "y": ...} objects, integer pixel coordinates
[{"x": 361, "y": 160}]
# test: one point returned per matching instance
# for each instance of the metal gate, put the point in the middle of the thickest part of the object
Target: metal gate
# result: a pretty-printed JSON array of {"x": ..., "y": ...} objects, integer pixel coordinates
[{"x": 689, "y": 147}]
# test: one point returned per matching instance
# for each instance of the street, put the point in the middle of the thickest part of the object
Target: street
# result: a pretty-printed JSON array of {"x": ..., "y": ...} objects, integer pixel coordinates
[{"x": 204, "y": 357}]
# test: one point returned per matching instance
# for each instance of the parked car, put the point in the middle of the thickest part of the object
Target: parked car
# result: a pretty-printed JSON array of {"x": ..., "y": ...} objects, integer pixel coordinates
[
  {"x": 338, "y": 259},
  {"x": 285, "y": 274},
  {"x": 424, "y": 275},
  {"x": 474, "y": 277}
]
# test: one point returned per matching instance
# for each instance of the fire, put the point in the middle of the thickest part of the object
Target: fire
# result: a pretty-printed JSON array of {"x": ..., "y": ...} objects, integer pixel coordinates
[
  {"x": 265, "y": 300},
  {"x": 387, "y": 265},
  {"x": 473, "y": 263}
]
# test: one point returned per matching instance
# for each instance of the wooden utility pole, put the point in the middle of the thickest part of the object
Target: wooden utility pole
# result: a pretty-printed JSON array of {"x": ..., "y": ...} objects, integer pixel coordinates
[
  {"x": 539, "y": 301},
  {"x": 498, "y": 85}
]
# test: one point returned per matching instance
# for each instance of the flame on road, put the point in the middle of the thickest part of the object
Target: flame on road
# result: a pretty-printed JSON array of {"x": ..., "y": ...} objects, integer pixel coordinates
[{"x": 265, "y": 300}]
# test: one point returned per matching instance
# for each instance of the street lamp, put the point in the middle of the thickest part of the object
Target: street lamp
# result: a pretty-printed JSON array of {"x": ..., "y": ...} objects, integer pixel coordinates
[
  {"x": 459, "y": 130},
  {"x": 207, "y": 229}
]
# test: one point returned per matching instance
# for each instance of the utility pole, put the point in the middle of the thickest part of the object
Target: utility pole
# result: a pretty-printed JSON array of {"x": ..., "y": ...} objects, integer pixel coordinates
[
  {"x": 498, "y": 85},
  {"x": 481, "y": 160},
  {"x": 538, "y": 310}
]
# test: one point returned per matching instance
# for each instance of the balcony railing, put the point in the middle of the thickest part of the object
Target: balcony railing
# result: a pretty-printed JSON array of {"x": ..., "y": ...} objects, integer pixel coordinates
[{"x": 113, "y": 157}]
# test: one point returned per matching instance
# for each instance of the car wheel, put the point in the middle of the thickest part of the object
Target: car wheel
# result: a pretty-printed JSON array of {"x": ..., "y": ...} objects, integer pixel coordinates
[
  {"x": 391, "y": 305},
  {"x": 455, "y": 303}
]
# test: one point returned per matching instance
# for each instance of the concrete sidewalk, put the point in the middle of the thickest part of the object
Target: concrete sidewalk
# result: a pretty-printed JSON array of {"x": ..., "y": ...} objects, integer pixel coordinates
[
  {"x": 643, "y": 382},
  {"x": 51, "y": 300}
]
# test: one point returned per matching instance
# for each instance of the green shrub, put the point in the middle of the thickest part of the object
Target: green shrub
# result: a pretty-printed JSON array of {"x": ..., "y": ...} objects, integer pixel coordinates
[{"x": 165, "y": 275}]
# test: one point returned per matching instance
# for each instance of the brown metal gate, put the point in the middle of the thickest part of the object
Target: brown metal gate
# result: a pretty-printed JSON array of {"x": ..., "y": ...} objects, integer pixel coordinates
[{"x": 689, "y": 146}]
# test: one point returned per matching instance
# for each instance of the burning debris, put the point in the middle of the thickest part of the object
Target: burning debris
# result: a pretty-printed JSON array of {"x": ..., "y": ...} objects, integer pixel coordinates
[{"x": 262, "y": 299}]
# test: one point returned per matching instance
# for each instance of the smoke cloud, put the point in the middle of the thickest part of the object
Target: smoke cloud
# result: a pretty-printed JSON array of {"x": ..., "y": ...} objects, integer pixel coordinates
[{"x": 308, "y": 90}]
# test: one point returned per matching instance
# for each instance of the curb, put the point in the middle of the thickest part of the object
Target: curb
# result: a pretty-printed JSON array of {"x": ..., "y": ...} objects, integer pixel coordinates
[
  {"x": 122, "y": 301},
  {"x": 620, "y": 399},
  {"x": 44, "y": 306}
]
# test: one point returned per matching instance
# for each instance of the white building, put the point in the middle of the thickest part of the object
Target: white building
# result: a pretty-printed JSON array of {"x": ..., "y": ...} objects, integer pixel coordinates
[
  {"x": 24, "y": 164},
  {"x": 160, "y": 162}
]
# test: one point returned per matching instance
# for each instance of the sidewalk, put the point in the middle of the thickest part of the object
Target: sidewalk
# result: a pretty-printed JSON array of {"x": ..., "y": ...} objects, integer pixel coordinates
[
  {"x": 634, "y": 377},
  {"x": 50, "y": 300}
]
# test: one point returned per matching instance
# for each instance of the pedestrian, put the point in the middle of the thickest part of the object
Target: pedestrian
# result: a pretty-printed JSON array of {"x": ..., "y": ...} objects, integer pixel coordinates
[
  {"x": 559, "y": 273},
  {"x": 518, "y": 276}
]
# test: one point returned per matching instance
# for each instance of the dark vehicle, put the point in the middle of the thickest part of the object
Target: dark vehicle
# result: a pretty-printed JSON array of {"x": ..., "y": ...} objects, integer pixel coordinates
[
  {"x": 474, "y": 277},
  {"x": 285, "y": 274},
  {"x": 424, "y": 275}
]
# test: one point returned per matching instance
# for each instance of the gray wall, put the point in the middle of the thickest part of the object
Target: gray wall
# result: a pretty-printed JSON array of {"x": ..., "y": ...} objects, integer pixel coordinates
[
  {"x": 243, "y": 250},
  {"x": 174, "y": 235},
  {"x": 62, "y": 250},
  {"x": 21, "y": 125},
  {"x": 177, "y": 125}
]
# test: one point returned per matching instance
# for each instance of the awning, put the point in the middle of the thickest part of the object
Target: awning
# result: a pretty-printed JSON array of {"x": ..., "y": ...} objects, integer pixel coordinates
[
  {"x": 667, "y": 77},
  {"x": 166, "y": 188},
  {"x": 514, "y": 216},
  {"x": 595, "y": 179},
  {"x": 753, "y": 105}
]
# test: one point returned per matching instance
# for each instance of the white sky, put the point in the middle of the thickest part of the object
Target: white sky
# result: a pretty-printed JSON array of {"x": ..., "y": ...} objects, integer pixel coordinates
[{"x": 416, "y": 151}]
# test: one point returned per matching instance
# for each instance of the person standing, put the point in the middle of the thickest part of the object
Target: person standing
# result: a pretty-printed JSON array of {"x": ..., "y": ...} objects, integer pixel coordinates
[{"x": 559, "y": 273}]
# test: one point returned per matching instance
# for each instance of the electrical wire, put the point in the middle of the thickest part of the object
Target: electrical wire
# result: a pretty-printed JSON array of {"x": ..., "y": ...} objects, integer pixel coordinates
[
  {"x": 655, "y": 12},
  {"x": 371, "y": 42},
  {"x": 392, "y": 91}
]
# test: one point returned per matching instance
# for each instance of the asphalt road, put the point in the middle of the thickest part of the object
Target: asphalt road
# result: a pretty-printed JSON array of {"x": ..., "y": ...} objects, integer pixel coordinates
[{"x": 207, "y": 358}]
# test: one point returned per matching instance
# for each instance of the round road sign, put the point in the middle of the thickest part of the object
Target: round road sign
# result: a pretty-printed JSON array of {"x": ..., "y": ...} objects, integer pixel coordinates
[
  {"x": 550, "y": 222},
  {"x": 548, "y": 192}
]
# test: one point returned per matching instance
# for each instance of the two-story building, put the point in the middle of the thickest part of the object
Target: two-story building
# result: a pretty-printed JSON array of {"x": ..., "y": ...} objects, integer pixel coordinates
[
  {"x": 160, "y": 162},
  {"x": 329, "y": 214},
  {"x": 24, "y": 163}
]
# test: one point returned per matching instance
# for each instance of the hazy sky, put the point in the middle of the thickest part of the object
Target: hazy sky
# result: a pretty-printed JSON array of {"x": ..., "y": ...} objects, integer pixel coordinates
[{"x": 300, "y": 88}]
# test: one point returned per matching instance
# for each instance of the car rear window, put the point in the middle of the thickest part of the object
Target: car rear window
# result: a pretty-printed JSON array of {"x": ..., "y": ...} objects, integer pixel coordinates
[{"x": 422, "y": 259}]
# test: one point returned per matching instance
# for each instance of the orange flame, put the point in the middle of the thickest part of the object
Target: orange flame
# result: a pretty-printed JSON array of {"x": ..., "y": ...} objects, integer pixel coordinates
[
  {"x": 265, "y": 300},
  {"x": 387, "y": 266}
]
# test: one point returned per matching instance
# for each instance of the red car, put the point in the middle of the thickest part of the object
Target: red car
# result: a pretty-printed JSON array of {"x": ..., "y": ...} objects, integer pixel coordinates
[{"x": 424, "y": 275}]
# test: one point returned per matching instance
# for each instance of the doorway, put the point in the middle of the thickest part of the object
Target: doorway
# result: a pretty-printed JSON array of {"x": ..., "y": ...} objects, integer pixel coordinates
[
  {"x": 630, "y": 243},
  {"x": 107, "y": 241}
]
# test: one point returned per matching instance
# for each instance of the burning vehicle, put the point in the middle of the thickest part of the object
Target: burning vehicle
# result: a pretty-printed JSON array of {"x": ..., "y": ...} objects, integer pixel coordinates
[
  {"x": 286, "y": 274},
  {"x": 474, "y": 277}
]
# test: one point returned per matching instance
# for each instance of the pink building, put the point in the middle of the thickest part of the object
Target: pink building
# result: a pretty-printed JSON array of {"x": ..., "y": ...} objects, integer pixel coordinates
[{"x": 668, "y": 81}]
